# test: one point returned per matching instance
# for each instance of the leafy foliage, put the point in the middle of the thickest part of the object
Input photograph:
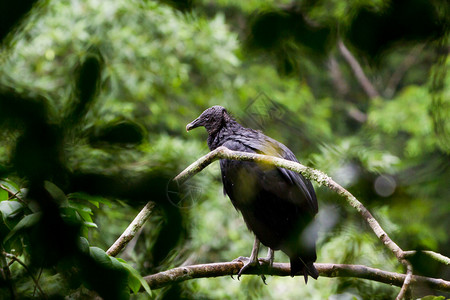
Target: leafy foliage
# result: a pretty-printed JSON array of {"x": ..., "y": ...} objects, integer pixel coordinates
[{"x": 95, "y": 95}]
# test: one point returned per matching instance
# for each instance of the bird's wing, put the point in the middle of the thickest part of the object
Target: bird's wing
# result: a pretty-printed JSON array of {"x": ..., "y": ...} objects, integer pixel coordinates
[
  {"x": 233, "y": 170},
  {"x": 303, "y": 183},
  {"x": 263, "y": 144}
]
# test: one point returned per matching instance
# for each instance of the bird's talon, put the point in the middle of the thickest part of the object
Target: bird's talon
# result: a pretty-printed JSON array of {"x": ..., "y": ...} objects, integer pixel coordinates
[
  {"x": 242, "y": 259},
  {"x": 263, "y": 279},
  {"x": 248, "y": 262},
  {"x": 240, "y": 273},
  {"x": 267, "y": 264}
]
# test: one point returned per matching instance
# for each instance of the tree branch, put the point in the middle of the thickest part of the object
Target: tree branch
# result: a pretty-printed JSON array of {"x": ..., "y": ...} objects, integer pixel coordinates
[
  {"x": 342, "y": 89},
  {"x": 310, "y": 173},
  {"x": 358, "y": 71},
  {"x": 131, "y": 230},
  {"x": 434, "y": 255},
  {"x": 337, "y": 78},
  {"x": 6, "y": 272},
  {"x": 406, "y": 281},
  {"x": 400, "y": 71},
  {"x": 180, "y": 274},
  {"x": 318, "y": 176}
]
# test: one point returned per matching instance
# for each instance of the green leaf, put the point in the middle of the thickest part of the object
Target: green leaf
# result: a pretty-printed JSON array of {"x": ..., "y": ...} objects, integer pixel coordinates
[
  {"x": 84, "y": 211},
  {"x": 3, "y": 195},
  {"x": 95, "y": 200},
  {"x": 83, "y": 244},
  {"x": 135, "y": 280},
  {"x": 100, "y": 256},
  {"x": 26, "y": 222},
  {"x": 95, "y": 203},
  {"x": 12, "y": 186},
  {"x": 70, "y": 214},
  {"x": 78, "y": 215},
  {"x": 90, "y": 224},
  {"x": 134, "y": 283},
  {"x": 85, "y": 216},
  {"x": 84, "y": 231},
  {"x": 10, "y": 209},
  {"x": 109, "y": 263},
  {"x": 56, "y": 193},
  {"x": 115, "y": 263}
]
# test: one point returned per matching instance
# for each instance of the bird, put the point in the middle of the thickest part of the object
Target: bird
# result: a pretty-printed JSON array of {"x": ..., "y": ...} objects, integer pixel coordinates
[{"x": 277, "y": 205}]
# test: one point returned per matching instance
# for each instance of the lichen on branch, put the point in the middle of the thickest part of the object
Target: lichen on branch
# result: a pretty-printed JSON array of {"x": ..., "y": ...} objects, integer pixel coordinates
[{"x": 322, "y": 179}]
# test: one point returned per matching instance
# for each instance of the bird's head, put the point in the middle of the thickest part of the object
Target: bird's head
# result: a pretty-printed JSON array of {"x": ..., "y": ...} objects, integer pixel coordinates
[{"x": 212, "y": 119}]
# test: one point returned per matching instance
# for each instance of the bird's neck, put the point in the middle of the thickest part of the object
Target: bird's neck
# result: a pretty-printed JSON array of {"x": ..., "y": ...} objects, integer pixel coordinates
[{"x": 219, "y": 137}]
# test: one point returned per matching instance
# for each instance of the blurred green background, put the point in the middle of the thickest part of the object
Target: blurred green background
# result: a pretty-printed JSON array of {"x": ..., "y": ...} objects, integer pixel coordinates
[{"x": 95, "y": 96}]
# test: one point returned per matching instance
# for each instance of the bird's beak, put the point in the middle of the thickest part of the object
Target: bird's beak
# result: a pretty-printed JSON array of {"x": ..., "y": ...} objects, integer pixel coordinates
[{"x": 193, "y": 124}]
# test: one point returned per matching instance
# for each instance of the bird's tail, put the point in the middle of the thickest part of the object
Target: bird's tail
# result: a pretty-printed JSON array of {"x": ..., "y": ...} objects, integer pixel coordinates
[{"x": 303, "y": 267}]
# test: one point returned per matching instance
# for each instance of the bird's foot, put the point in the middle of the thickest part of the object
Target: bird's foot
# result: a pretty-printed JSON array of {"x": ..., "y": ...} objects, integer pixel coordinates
[
  {"x": 268, "y": 262},
  {"x": 249, "y": 262}
]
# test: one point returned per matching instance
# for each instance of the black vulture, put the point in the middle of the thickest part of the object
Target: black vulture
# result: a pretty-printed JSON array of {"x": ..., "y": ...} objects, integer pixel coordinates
[{"x": 278, "y": 205}]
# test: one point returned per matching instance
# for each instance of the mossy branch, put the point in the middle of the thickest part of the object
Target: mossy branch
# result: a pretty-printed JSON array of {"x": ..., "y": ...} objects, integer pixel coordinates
[
  {"x": 434, "y": 255},
  {"x": 310, "y": 173},
  {"x": 322, "y": 179}
]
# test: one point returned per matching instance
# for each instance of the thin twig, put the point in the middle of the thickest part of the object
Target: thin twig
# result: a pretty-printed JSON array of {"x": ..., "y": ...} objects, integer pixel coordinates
[
  {"x": 342, "y": 89},
  {"x": 38, "y": 278},
  {"x": 400, "y": 70},
  {"x": 358, "y": 71},
  {"x": 13, "y": 195},
  {"x": 407, "y": 281},
  {"x": 131, "y": 230},
  {"x": 15, "y": 258},
  {"x": 159, "y": 280},
  {"x": 337, "y": 78}
]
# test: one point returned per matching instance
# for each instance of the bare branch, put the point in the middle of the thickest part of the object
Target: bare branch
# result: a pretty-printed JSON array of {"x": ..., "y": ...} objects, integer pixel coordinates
[
  {"x": 407, "y": 281},
  {"x": 131, "y": 230},
  {"x": 356, "y": 114},
  {"x": 400, "y": 71},
  {"x": 159, "y": 280},
  {"x": 36, "y": 283},
  {"x": 434, "y": 255},
  {"x": 337, "y": 78},
  {"x": 342, "y": 90},
  {"x": 358, "y": 71},
  {"x": 38, "y": 278},
  {"x": 6, "y": 272}
]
